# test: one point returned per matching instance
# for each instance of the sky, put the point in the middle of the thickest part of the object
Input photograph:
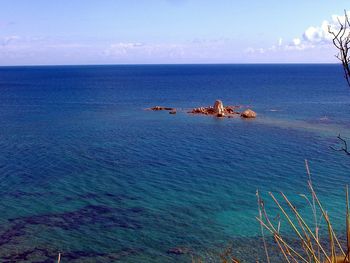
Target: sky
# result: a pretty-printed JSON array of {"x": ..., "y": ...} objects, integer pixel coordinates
[{"x": 74, "y": 32}]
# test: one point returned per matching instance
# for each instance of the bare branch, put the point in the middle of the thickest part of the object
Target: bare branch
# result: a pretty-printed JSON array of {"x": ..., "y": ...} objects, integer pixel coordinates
[
  {"x": 341, "y": 40},
  {"x": 344, "y": 148}
]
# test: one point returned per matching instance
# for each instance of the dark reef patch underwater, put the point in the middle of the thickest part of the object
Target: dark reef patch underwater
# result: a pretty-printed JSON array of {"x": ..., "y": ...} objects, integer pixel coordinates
[{"x": 85, "y": 171}]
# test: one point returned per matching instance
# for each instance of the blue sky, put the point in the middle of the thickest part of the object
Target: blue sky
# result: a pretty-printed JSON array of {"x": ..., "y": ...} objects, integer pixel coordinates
[{"x": 165, "y": 31}]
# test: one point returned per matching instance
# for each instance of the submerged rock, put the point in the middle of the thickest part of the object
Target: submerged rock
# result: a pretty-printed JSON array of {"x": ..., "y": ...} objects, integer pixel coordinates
[
  {"x": 178, "y": 250},
  {"x": 172, "y": 112},
  {"x": 248, "y": 114}
]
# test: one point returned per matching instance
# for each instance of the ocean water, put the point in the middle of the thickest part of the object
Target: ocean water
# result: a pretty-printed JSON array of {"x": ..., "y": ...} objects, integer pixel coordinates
[{"x": 86, "y": 171}]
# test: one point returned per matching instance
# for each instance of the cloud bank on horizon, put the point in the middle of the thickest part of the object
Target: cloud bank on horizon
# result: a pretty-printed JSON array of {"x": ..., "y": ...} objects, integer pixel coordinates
[
  {"x": 314, "y": 38},
  {"x": 180, "y": 31}
]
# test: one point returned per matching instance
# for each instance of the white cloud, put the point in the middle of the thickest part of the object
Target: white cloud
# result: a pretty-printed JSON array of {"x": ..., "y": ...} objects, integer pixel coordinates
[
  {"x": 320, "y": 34},
  {"x": 201, "y": 49},
  {"x": 280, "y": 42},
  {"x": 60, "y": 50},
  {"x": 121, "y": 48},
  {"x": 130, "y": 50},
  {"x": 8, "y": 39},
  {"x": 296, "y": 41},
  {"x": 312, "y": 38}
]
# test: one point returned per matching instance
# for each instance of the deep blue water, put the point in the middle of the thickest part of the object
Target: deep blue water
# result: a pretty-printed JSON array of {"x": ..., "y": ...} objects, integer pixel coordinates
[{"x": 86, "y": 171}]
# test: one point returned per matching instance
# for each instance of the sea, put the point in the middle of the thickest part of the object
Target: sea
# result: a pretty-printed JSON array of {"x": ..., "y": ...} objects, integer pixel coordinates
[{"x": 88, "y": 172}]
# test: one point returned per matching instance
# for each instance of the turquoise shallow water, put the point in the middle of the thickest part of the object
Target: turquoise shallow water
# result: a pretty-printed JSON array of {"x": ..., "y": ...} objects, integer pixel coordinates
[{"x": 86, "y": 171}]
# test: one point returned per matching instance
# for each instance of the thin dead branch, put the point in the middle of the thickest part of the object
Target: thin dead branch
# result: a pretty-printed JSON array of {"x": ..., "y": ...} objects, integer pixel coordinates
[
  {"x": 343, "y": 148},
  {"x": 341, "y": 40}
]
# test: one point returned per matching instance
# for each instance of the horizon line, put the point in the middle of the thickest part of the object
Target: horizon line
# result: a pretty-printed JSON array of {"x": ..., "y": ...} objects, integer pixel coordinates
[{"x": 171, "y": 64}]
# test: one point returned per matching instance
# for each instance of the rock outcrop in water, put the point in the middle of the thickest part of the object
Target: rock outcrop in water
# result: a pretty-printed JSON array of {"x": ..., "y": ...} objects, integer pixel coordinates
[
  {"x": 249, "y": 114},
  {"x": 218, "y": 110},
  {"x": 158, "y": 108}
]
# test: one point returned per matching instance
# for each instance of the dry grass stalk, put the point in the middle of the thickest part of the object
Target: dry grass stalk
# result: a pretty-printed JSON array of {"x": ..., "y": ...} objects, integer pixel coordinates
[
  {"x": 260, "y": 207},
  {"x": 311, "y": 250}
]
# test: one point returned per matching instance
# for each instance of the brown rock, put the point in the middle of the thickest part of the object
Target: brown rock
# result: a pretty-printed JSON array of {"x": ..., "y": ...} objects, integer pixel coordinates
[
  {"x": 217, "y": 110},
  {"x": 157, "y": 108},
  {"x": 219, "y": 107},
  {"x": 248, "y": 114},
  {"x": 230, "y": 109}
]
